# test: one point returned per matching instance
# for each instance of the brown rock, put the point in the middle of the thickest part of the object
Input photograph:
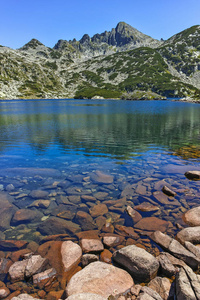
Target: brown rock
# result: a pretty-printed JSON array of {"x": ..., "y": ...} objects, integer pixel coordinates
[
  {"x": 6, "y": 215},
  {"x": 141, "y": 189},
  {"x": 4, "y": 267},
  {"x": 106, "y": 256},
  {"x": 101, "y": 177},
  {"x": 26, "y": 216},
  {"x": 75, "y": 199},
  {"x": 88, "y": 198},
  {"x": 167, "y": 268},
  {"x": 91, "y": 245},
  {"x": 40, "y": 203},
  {"x": 41, "y": 279},
  {"x": 71, "y": 254},
  {"x": 53, "y": 295},
  {"x": 66, "y": 214},
  {"x": 146, "y": 206},
  {"x": 85, "y": 220},
  {"x": 162, "y": 198},
  {"x": 100, "y": 278},
  {"x": 39, "y": 194},
  {"x": 16, "y": 255},
  {"x": 126, "y": 231},
  {"x": 100, "y": 195},
  {"x": 100, "y": 221},
  {"x": 12, "y": 245},
  {"x": 136, "y": 216},
  {"x": 55, "y": 225},
  {"x": 151, "y": 224},
  {"x": 108, "y": 227},
  {"x": 89, "y": 234},
  {"x": 192, "y": 217},
  {"x": 98, "y": 210}
]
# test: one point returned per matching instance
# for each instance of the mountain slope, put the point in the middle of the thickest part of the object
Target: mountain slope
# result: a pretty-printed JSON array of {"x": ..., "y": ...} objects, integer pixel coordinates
[{"x": 109, "y": 64}]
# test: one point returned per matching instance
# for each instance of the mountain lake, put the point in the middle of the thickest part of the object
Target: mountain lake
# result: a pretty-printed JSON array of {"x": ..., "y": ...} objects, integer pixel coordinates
[{"x": 62, "y": 157}]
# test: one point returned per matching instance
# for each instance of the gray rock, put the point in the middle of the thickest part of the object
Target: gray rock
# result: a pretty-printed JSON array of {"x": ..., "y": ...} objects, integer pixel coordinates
[
  {"x": 175, "y": 248},
  {"x": 88, "y": 259},
  {"x": 138, "y": 262},
  {"x": 100, "y": 278},
  {"x": 55, "y": 225},
  {"x": 17, "y": 270},
  {"x": 167, "y": 268},
  {"x": 4, "y": 292},
  {"x": 71, "y": 254},
  {"x": 192, "y": 248},
  {"x": 91, "y": 245},
  {"x": 36, "y": 264},
  {"x": 190, "y": 234},
  {"x": 47, "y": 274},
  {"x": 39, "y": 194},
  {"x": 85, "y": 220},
  {"x": 4, "y": 267},
  {"x": 184, "y": 290},
  {"x": 150, "y": 293},
  {"x": 162, "y": 286}
]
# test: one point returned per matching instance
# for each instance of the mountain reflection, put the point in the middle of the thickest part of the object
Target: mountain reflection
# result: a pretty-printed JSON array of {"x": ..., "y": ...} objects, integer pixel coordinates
[{"x": 118, "y": 129}]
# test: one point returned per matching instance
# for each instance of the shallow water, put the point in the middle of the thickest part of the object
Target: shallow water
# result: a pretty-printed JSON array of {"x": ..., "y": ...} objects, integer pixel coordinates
[{"x": 142, "y": 145}]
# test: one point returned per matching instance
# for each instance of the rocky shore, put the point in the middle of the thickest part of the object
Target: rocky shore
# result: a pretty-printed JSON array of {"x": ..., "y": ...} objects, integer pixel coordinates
[{"x": 103, "y": 265}]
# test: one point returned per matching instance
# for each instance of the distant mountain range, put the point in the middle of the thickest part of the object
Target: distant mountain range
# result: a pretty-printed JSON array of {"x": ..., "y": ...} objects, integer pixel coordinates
[{"x": 109, "y": 65}]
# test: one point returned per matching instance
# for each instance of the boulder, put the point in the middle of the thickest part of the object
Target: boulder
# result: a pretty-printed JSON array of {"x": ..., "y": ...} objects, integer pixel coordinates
[
  {"x": 91, "y": 245},
  {"x": 86, "y": 296},
  {"x": 98, "y": 210},
  {"x": 100, "y": 278},
  {"x": 162, "y": 286},
  {"x": 193, "y": 175},
  {"x": 192, "y": 217},
  {"x": 138, "y": 262},
  {"x": 35, "y": 265},
  {"x": 71, "y": 254},
  {"x": 148, "y": 292},
  {"x": 175, "y": 248},
  {"x": 192, "y": 248},
  {"x": 189, "y": 234}
]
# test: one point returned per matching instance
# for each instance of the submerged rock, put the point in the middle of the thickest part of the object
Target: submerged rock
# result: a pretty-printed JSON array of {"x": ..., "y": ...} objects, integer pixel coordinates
[
  {"x": 26, "y": 216},
  {"x": 152, "y": 224},
  {"x": 55, "y": 225},
  {"x": 100, "y": 278},
  {"x": 138, "y": 262},
  {"x": 91, "y": 245},
  {"x": 101, "y": 177}
]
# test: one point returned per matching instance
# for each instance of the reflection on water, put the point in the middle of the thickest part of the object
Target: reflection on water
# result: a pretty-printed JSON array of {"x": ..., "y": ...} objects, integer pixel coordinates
[{"x": 59, "y": 147}]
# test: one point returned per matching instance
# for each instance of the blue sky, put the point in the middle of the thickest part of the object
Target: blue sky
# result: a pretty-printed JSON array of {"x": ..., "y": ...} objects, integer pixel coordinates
[{"x": 51, "y": 20}]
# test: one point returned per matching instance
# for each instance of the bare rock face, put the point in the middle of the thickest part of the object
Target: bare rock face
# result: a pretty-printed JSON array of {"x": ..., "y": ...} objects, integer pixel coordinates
[
  {"x": 175, "y": 248},
  {"x": 138, "y": 262},
  {"x": 193, "y": 175},
  {"x": 100, "y": 278},
  {"x": 162, "y": 286},
  {"x": 35, "y": 265},
  {"x": 192, "y": 217},
  {"x": 187, "y": 285},
  {"x": 71, "y": 254},
  {"x": 189, "y": 234},
  {"x": 91, "y": 245}
]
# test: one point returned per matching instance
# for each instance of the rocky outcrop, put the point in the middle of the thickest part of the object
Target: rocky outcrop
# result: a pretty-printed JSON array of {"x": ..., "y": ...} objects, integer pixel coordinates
[{"x": 138, "y": 262}]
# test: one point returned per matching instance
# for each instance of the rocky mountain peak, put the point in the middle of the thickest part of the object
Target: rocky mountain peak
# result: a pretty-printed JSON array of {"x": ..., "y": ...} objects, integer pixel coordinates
[{"x": 33, "y": 44}]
